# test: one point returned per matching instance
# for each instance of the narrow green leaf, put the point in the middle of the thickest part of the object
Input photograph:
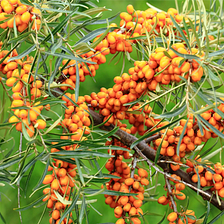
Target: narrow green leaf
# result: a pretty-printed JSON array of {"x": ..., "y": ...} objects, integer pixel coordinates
[
  {"x": 217, "y": 217},
  {"x": 70, "y": 208},
  {"x": 83, "y": 208},
  {"x": 181, "y": 32},
  {"x": 90, "y": 36},
  {"x": 207, "y": 213},
  {"x": 2, "y": 218},
  {"x": 80, "y": 154},
  {"x": 216, "y": 53},
  {"x": 174, "y": 113},
  {"x": 26, "y": 2},
  {"x": 43, "y": 175},
  {"x": 10, "y": 163},
  {"x": 31, "y": 205},
  {"x": 54, "y": 125},
  {"x": 195, "y": 34},
  {"x": 90, "y": 12},
  {"x": 21, "y": 37},
  {"x": 25, "y": 53},
  {"x": 72, "y": 57},
  {"x": 79, "y": 171},
  {"x": 181, "y": 137}
]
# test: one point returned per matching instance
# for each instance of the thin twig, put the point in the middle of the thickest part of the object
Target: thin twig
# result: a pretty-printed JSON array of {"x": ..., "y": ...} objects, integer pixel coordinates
[{"x": 168, "y": 185}]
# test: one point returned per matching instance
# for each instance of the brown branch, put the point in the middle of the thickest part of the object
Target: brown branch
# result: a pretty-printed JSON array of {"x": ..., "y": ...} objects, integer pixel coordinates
[
  {"x": 150, "y": 153},
  {"x": 152, "y": 138}
]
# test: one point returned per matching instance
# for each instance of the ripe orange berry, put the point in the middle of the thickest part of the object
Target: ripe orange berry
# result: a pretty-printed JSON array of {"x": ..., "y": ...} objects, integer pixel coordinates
[
  {"x": 30, "y": 130},
  {"x": 129, "y": 181},
  {"x": 118, "y": 211},
  {"x": 162, "y": 199},
  {"x": 55, "y": 214},
  {"x": 48, "y": 179},
  {"x": 142, "y": 172},
  {"x": 120, "y": 221},
  {"x": 55, "y": 184},
  {"x": 41, "y": 124},
  {"x": 135, "y": 221},
  {"x": 172, "y": 217},
  {"x": 130, "y": 9},
  {"x": 26, "y": 17},
  {"x": 58, "y": 205},
  {"x": 137, "y": 203}
]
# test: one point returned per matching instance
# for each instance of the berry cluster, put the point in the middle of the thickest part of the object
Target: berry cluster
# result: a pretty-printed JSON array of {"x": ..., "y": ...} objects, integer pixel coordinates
[
  {"x": 144, "y": 21},
  {"x": 61, "y": 180},
  {"x": 176, "y": 193},
  {"x": 126, "y": 208},
  {"x": 26, "y": 110},
  {"x": 14, "y": 12},
  {"x": 208, "y": 177},
  {"x": 76, "y": 117}
]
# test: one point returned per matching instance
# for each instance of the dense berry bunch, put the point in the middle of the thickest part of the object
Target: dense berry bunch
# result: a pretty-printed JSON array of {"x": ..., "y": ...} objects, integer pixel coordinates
[
  {"x": 176, "y": 194},
  {"x": 14, "y": 12},
  {"x": 60, "y": 180},
  {"x": 126, "y": 208},
  {"x": 208, "y": 176},
  {"x": 76, "y": 118},
  {"x": 25, "y": 108}
]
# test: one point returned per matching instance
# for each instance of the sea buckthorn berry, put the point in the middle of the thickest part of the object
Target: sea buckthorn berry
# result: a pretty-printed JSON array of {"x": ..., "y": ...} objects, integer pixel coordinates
[
  {"x": 162, "y": 199},
  {"x": 55, "y": 184},
  {"x": 172, "y": 217},
  {"x": 129, "y": 181},
  {"x": 217, "y": 177},
  {"x": 48, "y": 179},
  {"x": 137, "y": 203},
  {"x": 120, "y": 221},
  {"x": 135, "y": 220},
  {"x": 198, "y": 169},
  {"x": 118, "y": 210},
  {"x": 55, "y": 214},
  {"x": 41, "y": 124},
  {"x": 142, "y": 172},
  {"x": 26, "y": 17}
]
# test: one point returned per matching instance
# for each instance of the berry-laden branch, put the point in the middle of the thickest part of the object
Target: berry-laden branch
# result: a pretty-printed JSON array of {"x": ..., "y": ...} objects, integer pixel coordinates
[
  {"x": 150, "y": 153},
  {"x": 165, "y": 65}
]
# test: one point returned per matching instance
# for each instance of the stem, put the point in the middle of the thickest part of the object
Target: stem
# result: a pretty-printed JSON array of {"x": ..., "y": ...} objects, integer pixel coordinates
[
  {"x": 148, "y": 153},
  {"x": 171, "y": 194}
]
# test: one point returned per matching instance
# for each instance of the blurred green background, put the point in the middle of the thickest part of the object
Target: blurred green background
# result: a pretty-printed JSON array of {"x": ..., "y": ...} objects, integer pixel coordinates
[{"x": 103, "y": 78}]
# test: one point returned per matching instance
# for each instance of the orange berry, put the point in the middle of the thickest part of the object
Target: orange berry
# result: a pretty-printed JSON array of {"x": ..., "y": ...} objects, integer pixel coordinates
[
  {"x": 55, "y": 184},
  {"x": 162, "y": 199},
  {"x": 130, "y": 9},
  {"x": 48, "y": 179},
  {"x": 26, "y": 17},
  {"x": 58, "y": 205},
  {"x": 172, "y": 217},
  {"x": 144, "y": 182},
  {"x": 41, "y": 124},
  {"x": 137, "y": 203},
  {"x": 135, "y": 221},
  {"x": 120, "y": 221},
  {"x": 30, "y": 130},
  {"x": 118, "y": 210},
  {"x": 142, "y": 172},
  {"x": 55, "y": 214},
  {"x": 129, "y": 181}
]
